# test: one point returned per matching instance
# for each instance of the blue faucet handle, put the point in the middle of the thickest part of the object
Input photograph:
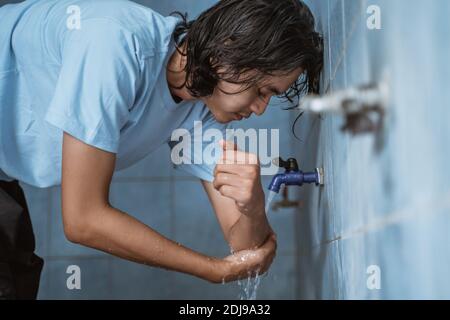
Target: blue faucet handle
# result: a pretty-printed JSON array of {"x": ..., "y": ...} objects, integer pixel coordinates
[{"x": 290, "y": 165}]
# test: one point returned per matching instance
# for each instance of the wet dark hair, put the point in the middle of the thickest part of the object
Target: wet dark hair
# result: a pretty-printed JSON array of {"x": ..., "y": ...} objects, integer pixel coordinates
[{"x": 272, "y": 37}]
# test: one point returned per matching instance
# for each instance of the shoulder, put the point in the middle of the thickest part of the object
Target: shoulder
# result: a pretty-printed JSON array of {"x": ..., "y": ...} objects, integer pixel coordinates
[{"x": 149, "y": 28}]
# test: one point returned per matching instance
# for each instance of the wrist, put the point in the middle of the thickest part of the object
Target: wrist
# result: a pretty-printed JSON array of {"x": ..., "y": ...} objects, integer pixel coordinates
[{"x": 258, "y": 210}]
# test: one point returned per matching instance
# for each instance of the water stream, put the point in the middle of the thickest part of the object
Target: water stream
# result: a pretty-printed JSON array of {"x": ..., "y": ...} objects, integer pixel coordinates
[
  {"x": 270, "y": 198},
  {"x": 249, "y": 287}
]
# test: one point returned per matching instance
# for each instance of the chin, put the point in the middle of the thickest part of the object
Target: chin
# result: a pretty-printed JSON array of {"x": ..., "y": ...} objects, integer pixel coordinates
[
  {"x": 224, "y": 121},
  {"x": 221, "y": 118}
]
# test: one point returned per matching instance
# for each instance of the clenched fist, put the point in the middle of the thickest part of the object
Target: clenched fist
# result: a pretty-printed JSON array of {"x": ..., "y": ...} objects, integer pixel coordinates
[{"x": 238, "y": 176}]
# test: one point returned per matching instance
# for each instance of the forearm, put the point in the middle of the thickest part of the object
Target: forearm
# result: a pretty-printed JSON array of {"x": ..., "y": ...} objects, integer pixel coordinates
[
  {"x": 249, "y": 231},
  {"x": 117, "y": 233}
]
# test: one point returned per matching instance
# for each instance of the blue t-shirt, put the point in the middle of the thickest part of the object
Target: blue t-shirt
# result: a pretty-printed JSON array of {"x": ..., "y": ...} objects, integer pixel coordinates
[{"x": 103, "y": 81}]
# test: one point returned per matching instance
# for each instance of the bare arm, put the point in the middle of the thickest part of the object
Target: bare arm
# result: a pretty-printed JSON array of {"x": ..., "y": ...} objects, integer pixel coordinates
[
  {"x": 238, "y": 198},
  {"x": 90, "y": 220},
  {"x": 241, "y": 231}
]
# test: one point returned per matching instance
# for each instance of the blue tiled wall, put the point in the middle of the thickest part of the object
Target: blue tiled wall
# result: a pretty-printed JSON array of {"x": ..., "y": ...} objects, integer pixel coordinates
[{"x": 386, "y": 201}]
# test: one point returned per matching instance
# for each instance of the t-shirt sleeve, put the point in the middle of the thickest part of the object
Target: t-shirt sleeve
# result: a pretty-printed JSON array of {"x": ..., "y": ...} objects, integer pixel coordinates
[
  {"x": 97, "y": 83},
  {"x": 197, "y": 151}
]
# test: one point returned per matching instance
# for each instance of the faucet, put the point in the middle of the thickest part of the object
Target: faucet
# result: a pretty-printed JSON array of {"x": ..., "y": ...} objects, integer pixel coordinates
[
  {"x": 364, "y": 106},
  {"x": 293, "y": 176}
]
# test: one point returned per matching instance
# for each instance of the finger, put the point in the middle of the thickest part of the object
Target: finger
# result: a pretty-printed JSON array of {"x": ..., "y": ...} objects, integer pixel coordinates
[
  {"x": 238, "y": 155},
  {"x": 269, "y": 245},
  {"x": 228, "y": 145},
  {"x": 232, "y": 156},
  {"x": 229, "y": 168},
  {"x": 273, "y": 235},
  {"x": 231, "y": 192},
  {"x": 222, "y": 179},
  {"x": 273, "y": 240},
  {"x": 266, "y": 268},
  {"x": 256, "y": 273},
  {"x": 268, "y": 262},
  {"x": 255, "y": 269}
]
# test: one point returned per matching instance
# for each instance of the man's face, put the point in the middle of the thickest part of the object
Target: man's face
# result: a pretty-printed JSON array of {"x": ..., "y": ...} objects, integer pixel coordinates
[{"x": 228, "y": 103}]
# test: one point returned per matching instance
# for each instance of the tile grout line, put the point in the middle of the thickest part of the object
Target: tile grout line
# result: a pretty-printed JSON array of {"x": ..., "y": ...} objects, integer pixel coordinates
[
  {"x": 344, "y": 46},
  {"x": 344, "y": 27},
  {"x": 297, "y": 288},
  {"x": 340, "y": 264}
]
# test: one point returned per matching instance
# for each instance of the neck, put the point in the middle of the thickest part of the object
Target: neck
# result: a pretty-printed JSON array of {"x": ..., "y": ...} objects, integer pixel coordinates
[{"x": 176, "y": 76}]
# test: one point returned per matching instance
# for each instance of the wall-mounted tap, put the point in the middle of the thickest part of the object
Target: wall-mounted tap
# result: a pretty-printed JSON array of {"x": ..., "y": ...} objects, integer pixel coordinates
[
  {"x": 294, "y": 176},
  {"x": 364, "y": 106}
]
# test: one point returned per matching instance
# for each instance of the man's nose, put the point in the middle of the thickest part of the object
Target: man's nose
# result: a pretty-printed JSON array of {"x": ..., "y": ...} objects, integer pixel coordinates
[{"x": 259, "y": 107}]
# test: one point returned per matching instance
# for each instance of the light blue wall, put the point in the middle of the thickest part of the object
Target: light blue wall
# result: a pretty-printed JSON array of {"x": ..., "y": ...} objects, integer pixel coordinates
[{"x": 387, "y": 197}]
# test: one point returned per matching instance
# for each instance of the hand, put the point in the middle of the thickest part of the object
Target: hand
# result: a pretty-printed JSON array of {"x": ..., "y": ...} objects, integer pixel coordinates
[
  {"x": 238, "y": 177},
  {"x": 247, "y": 263}
]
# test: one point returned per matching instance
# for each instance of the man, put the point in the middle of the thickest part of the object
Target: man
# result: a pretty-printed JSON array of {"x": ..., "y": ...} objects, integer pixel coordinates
[{"x": 88, "y": 87}]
